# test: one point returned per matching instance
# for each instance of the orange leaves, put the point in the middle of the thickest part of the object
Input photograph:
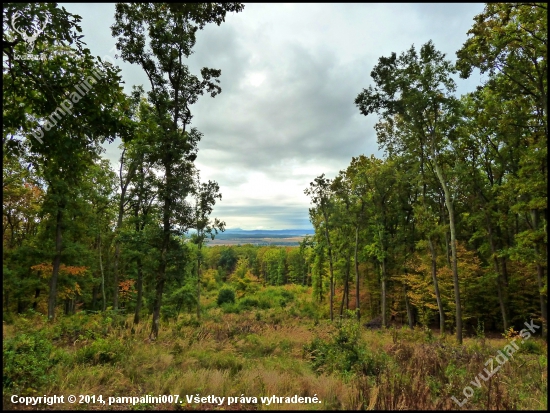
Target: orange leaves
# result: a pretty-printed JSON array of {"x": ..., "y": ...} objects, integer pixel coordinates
[
  {"x": 45, "y": 269},
  {"x": 126, "y": 289},
  {"x": 70, "y": 292}
]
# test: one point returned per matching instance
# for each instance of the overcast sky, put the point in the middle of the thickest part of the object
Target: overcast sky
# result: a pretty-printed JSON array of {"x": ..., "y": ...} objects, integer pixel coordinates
[{"x": 290, "y": 75}]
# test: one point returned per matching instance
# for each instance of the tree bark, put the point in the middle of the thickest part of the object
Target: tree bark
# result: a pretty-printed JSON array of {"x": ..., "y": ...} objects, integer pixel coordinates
[
  {"x": 104, "y": 307},
  {"x": 450, "y": 209},
  {"x": 199, "y": 285},
  {"x": 498, "y": 272},
  {"x": 436, "y": 287},
  {"x": 164, "y": 253},
  {"x": 540, "y": 276},
  {"x": 139, "y": 290},
  {"x": 357, "y": 307},
  {"x": 409, "y": 309},
  {"x": 383, "y": 298},
  {"x": 56, "y": 264},
  {"x": 330, "y": 266}
]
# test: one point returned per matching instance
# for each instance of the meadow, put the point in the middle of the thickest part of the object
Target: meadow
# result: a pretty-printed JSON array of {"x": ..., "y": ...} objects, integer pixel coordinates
[{"x": 274, "y": 342}]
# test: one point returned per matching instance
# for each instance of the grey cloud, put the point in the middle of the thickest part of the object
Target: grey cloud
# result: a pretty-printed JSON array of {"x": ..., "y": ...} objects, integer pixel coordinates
[{"x": 316, "y": 58}]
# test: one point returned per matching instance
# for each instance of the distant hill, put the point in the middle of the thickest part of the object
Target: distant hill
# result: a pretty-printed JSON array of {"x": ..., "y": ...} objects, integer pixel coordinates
[{"x": 233, "y": 233}]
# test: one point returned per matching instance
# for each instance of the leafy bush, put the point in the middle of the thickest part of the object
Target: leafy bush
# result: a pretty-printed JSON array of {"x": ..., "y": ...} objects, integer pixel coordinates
[
  {"x": 226, "y": 295},
  {"x": 26, "y": 363},
  {"x": 231, "y": 308},
  {"x": 101, "y": 351},
  {"x": 345, "y": 353},
  {"x": 531, "y": 347},
  {"x": 248, "y": 302}
]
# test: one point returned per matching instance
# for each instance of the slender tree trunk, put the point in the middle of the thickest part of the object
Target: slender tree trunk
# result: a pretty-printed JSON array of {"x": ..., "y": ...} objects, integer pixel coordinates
[
  {"x": 330, "y": 267},
  {"x": 540, "y": 276},
  {"x": 139, "y": 290},
  {"x": 357, "y": 307},
  {"x": 408, "y": 306},
  {"x": 56, "y": 264},
  {"x": 123, "y": 189},
  {"x": 342, "y": 303},
  {"x": 115, "y": 275},
  {"x": 156, "y": 307},
  {"x": 104, "y": 307},
  {"x": 498, "y": 272},
  {"x": 449, "y": 204},
  {"x": 164, "y": 254},
  {"x": 199, "y": 284},
  {"x": 436, "y": 287},
  {"x": 94, "y": 297},
  {"x": 383, "y": 297},
  {"x": 36, "y": 294}
]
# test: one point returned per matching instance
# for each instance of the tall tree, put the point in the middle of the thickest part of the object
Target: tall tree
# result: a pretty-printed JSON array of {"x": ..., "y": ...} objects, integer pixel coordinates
[
  {"x": 420, "y": 89},
  {"x": 170, "y": 31},
  {"x": 320, "y": 193},
  {"x": 205, "y": 195}
]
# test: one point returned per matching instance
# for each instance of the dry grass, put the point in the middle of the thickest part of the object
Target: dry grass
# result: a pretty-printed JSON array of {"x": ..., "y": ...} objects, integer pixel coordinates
[{"x": 234, "y": 355}]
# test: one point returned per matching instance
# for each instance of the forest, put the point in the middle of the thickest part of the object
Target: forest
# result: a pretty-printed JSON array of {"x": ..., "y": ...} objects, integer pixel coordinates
[{"x": 424, "y": 264}]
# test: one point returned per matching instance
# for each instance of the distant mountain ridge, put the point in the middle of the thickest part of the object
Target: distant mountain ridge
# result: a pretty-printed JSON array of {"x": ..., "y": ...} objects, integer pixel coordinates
[
  {"x": 270, "y": 231},
  {"x": 263, "y": 233}
]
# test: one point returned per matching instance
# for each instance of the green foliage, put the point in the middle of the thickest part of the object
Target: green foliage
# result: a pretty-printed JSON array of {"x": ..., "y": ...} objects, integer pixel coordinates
[
  {"x": 226, "y": 295},
  {"x": 102, "y": 351},
  {"x": 344, "y": 353},
  {"x": 26, "y": 363},
  {"x": 531, "y": 347}
]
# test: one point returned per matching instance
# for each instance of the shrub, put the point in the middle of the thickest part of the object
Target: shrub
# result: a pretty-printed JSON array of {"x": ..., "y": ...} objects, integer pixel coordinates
[
  {"x": 345, "y": 353},
  {"x": 248, "y": 302},
  {"x": 26, "y": 363},
  {"x": 531, "y": 347},
  {"x": 226, "y": 295},
  {"x": 231, "y": 308},
  {"x": 101, "y": 351}
]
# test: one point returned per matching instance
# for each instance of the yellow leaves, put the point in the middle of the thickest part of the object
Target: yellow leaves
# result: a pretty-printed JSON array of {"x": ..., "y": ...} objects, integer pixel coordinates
[
  {"x": 46, "y": 269},
  {"x": 126, "y": 289},
  {"x": 69, "y": 290},
  {"x": 70, "y": 293}
]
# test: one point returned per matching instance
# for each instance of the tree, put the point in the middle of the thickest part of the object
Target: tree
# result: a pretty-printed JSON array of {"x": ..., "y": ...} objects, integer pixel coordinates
[
  {"x": 45, "y": 98},
  {"x": 171, "y": 33},
  {"x": 205, "y": 195},
  {"x": 419, "y": 88},
  {"x": 509, "y": 41},
  {"x": 319, "y": 191}
]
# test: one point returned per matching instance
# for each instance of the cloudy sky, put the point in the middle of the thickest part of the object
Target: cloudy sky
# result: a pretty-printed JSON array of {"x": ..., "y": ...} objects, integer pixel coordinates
[{"x": 290, "y": 75}]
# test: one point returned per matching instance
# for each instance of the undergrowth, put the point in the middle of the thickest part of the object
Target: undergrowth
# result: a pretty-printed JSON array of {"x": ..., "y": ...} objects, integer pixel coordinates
[{"x": 272, "y": 341}]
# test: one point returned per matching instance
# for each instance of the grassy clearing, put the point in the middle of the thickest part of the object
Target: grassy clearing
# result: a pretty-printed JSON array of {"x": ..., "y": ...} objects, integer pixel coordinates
[{"x": 272, "y": 342}]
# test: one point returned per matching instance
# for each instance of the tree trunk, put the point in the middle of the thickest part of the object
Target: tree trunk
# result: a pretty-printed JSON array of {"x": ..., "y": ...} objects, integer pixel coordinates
[
  {"x": 164, "y": 254},
  {"x": 499, "y": 276},
  {"x": 104, "y": 307},
  {"x": 139, "y": 290},
  {"x": 35, "y": 303},
  {"x": 199, "y": 285},
  {"x": 357, "y": 307},
  {"x": 348, "y": 268},
  {"x": 449, "y": 204},
  {"x": 540, "y": 276},
  {"x": 123, "y": 189},
  {"x": 94, "y": 297},
  {"x": 408, "y": 306},
  {"x": 56, "y": 264},
  {"x": 330, "y": 267},
  {"x": 345, "y": 298},
  {"x": 383, "y": 294},
  {"x": 436, "y": 287},
  {"x": 115, "y": 275}
]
